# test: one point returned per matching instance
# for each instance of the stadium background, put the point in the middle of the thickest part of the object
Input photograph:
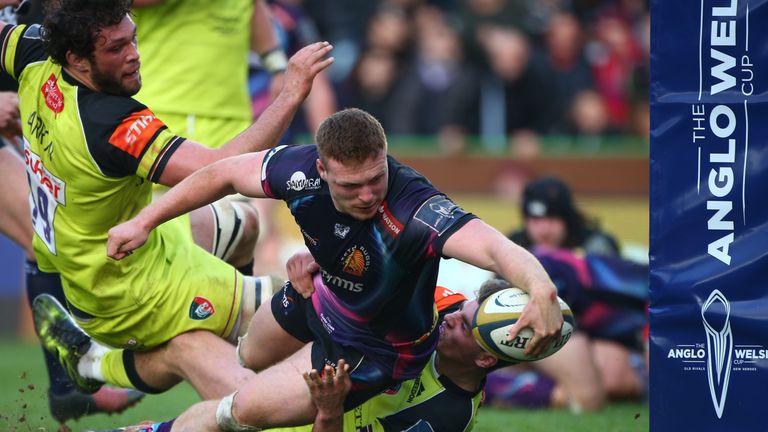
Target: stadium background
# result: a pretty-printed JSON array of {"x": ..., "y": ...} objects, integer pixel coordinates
[{"x": 606, "y": 164}]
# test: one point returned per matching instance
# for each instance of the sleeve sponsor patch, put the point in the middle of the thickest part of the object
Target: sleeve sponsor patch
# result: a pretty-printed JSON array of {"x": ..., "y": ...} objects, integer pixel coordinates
[
  {"x": 438, "y": 213},
  {"x": 136, "y": 132}
]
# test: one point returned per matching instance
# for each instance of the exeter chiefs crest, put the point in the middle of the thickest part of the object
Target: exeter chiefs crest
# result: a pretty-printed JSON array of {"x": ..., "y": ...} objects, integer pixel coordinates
[{"x": 201, "y": 309}]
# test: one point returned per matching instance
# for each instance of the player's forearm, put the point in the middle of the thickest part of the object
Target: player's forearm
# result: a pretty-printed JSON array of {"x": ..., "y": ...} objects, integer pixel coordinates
[
  {"x": 202, "y": 187},
  {"x": 266, "y": 132},
  {"x": 522, "y": 269},
  {"x": 263, "y": 36}
]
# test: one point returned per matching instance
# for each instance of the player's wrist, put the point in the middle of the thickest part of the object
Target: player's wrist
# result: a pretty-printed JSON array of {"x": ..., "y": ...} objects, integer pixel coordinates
[{"x": 274, "y": 60}]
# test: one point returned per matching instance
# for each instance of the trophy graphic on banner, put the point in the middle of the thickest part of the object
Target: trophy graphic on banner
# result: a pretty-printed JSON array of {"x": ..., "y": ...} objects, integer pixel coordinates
[{"x": 715, "y": 314}]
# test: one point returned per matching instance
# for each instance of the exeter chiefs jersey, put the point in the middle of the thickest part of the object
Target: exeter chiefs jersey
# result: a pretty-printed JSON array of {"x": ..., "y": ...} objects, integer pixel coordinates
[
  {"x": 90, "y": 158},
  {"x": 378, "y": 275}
]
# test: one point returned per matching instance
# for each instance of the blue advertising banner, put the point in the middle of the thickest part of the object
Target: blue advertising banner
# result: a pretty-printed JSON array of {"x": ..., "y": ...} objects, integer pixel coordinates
[{"x": 709, "y": 239}]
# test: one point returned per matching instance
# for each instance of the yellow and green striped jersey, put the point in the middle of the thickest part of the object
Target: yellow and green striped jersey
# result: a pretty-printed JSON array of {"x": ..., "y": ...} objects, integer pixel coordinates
[{"x": 90, "y": 160}]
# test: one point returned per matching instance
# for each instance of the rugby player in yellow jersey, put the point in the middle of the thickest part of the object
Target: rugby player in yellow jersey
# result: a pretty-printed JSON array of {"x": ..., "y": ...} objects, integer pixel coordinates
[
  {"x": 445, "y": 397},
  {"x": 91, "y": 152},
  {"x": 195, "y": 66}
]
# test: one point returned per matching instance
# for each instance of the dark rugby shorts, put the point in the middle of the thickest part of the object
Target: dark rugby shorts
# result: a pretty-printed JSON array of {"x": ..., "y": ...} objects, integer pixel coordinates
[{"x": 296, "y": 315}]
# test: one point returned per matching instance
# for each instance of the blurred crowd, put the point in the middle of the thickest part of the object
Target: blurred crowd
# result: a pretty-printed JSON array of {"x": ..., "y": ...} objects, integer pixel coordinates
[{"x": 515, "y": 70}]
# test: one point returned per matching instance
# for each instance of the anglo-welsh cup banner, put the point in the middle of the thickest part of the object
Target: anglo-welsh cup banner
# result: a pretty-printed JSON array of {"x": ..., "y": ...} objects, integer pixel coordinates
[{"x": 709, "y": 215}]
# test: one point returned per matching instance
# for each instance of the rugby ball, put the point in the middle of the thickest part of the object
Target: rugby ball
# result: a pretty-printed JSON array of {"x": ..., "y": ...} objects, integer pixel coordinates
[{"x": 499, "y": 312}]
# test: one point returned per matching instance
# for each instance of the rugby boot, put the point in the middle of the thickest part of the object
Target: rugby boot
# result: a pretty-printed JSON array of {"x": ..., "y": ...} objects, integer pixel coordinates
[
  {"x": 60, "y": 335},
  {"x": 75, "y": 404}
]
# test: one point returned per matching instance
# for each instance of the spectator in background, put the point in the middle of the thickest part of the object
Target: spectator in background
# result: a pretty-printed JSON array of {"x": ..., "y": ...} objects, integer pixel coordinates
[
  {"x": 437, "y": 92},
  {"x": 552, "y": 221},
  {"x": 526, "y": 92},
  {"x": 605, "y": 356},
  {"x": 614, "y": 55},
  {"x": 565, "y": 66}
]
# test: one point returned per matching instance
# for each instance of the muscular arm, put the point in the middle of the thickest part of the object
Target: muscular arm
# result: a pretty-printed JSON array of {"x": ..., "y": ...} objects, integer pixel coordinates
[
  {"x": 236, "y": 174},
  {"x": 479, "y": 244},
  {"x": 270, "y": 126}
]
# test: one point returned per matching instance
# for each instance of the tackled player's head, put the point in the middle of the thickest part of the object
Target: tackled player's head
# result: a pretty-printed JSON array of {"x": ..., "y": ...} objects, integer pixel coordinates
[
  {"x": 353, "y": 161},
  {"x": 457, "y": 343},
  {"x": 96, "y": 38}
]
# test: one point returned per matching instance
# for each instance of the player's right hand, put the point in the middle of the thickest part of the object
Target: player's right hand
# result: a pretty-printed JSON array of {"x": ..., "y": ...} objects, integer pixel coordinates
[
  {"x": 125, "y": 238},
  {"x": 300, "y": 268},
  {"x": 303, "y": 67}
]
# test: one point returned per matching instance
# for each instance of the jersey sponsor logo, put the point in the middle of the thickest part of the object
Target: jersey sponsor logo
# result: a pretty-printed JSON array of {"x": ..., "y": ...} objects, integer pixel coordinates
[
  {"x": 300, "y": 182},
  {"x": 356, "y": 260},
  {"x": 340, "y": 230},
  {"x": 416, "y": 390},
  {"x": 392, "y": 225},
  {"x": 201, "y": 308},
  {"x": 328, "y": 325},
  {"x": 54, "y": 99},
  {"x": 46, "y": 193},
  {"x": 438, "y": 213},
  {"x": 135, "y": 132},
  {"x": 311, "y": 240},
  {"x": 52, "y": 184},
  {"x": 339, "y": 282}
]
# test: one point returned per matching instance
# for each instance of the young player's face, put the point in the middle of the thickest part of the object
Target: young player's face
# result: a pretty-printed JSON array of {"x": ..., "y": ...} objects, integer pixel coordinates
[
  {"x": 547, "y": 232},
  {"x": 357, "y": 189},
  {"x": 456, "y": 341},
  {"x": 115, "y": 63}
]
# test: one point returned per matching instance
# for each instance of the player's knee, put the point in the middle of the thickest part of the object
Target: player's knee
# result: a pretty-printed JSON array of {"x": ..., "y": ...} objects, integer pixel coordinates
[
  {"x": 236, "y": 229},
  {"x": 188, "y": 342},
  {"x": 243, "y": 252},
  {"x": 231, "y": 417},
  {"x": 588, "y": 398}
]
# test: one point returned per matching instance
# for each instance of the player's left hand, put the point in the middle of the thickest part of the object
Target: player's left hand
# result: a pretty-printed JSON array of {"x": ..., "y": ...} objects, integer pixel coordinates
[
  {"x": 125, "y": 238},
  {"x": 543, "y": 315},
  {"x": 329, "y": 390},
  {"x": 300, "y": 268}
]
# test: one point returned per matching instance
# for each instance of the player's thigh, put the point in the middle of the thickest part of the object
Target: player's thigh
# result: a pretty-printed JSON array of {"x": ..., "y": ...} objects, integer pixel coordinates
[
  {"x": 200, "y": 293},
  {"x": 267, "y": 342},
  {"x": 277, "y": 396},
  {"x": 620, "y": 377}
]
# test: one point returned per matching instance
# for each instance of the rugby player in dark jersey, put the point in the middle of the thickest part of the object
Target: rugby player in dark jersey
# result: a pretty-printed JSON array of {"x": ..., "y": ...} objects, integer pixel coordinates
[{"x": 377, "y": 229}]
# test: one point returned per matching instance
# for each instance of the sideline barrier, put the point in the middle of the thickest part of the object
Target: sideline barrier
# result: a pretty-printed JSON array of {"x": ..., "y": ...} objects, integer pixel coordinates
[{"x": 709, "y": 260}]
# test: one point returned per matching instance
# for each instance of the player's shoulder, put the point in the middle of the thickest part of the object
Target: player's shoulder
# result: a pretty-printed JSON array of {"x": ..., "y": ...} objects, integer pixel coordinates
[{"x": 99, "y": 109}]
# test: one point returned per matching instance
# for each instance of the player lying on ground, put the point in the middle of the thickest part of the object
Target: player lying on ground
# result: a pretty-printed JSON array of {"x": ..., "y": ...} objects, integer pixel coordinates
[{"x": 444, "y": 397}]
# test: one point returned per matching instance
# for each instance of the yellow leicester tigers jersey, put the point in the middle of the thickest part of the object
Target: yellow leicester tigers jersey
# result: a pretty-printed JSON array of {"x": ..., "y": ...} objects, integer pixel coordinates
[
  {"x": 429, "y": 402},
  {"x": 195, "y": 57},
  {"x": 90, "y": 158}
]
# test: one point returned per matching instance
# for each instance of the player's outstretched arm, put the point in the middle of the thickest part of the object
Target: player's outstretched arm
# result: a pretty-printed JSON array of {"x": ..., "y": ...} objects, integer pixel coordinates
[
  {"x": 481, "y": 245},
  {"x": 271, "y": 124},
  {"x": 328, "y": 392},
  {"x": 237, "y": 174}
]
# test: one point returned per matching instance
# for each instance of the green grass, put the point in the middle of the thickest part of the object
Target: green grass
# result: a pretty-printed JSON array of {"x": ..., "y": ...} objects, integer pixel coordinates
[{"x": 23, "y": 405}]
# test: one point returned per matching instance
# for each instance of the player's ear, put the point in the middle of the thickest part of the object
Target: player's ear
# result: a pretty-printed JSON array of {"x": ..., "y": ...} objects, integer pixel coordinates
[
  {"x": 485, "y": 360},
  {"x": 321, "y": 169},
  {"x": 80, "y": 64}
]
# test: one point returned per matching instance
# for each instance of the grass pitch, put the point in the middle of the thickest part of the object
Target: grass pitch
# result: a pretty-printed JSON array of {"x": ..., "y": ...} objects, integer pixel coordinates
[{"x": 24, "y": 406}]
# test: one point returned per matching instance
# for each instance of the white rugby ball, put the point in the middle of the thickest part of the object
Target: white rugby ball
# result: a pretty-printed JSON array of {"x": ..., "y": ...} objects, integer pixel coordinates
[{"x": 499, "y": 312}]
